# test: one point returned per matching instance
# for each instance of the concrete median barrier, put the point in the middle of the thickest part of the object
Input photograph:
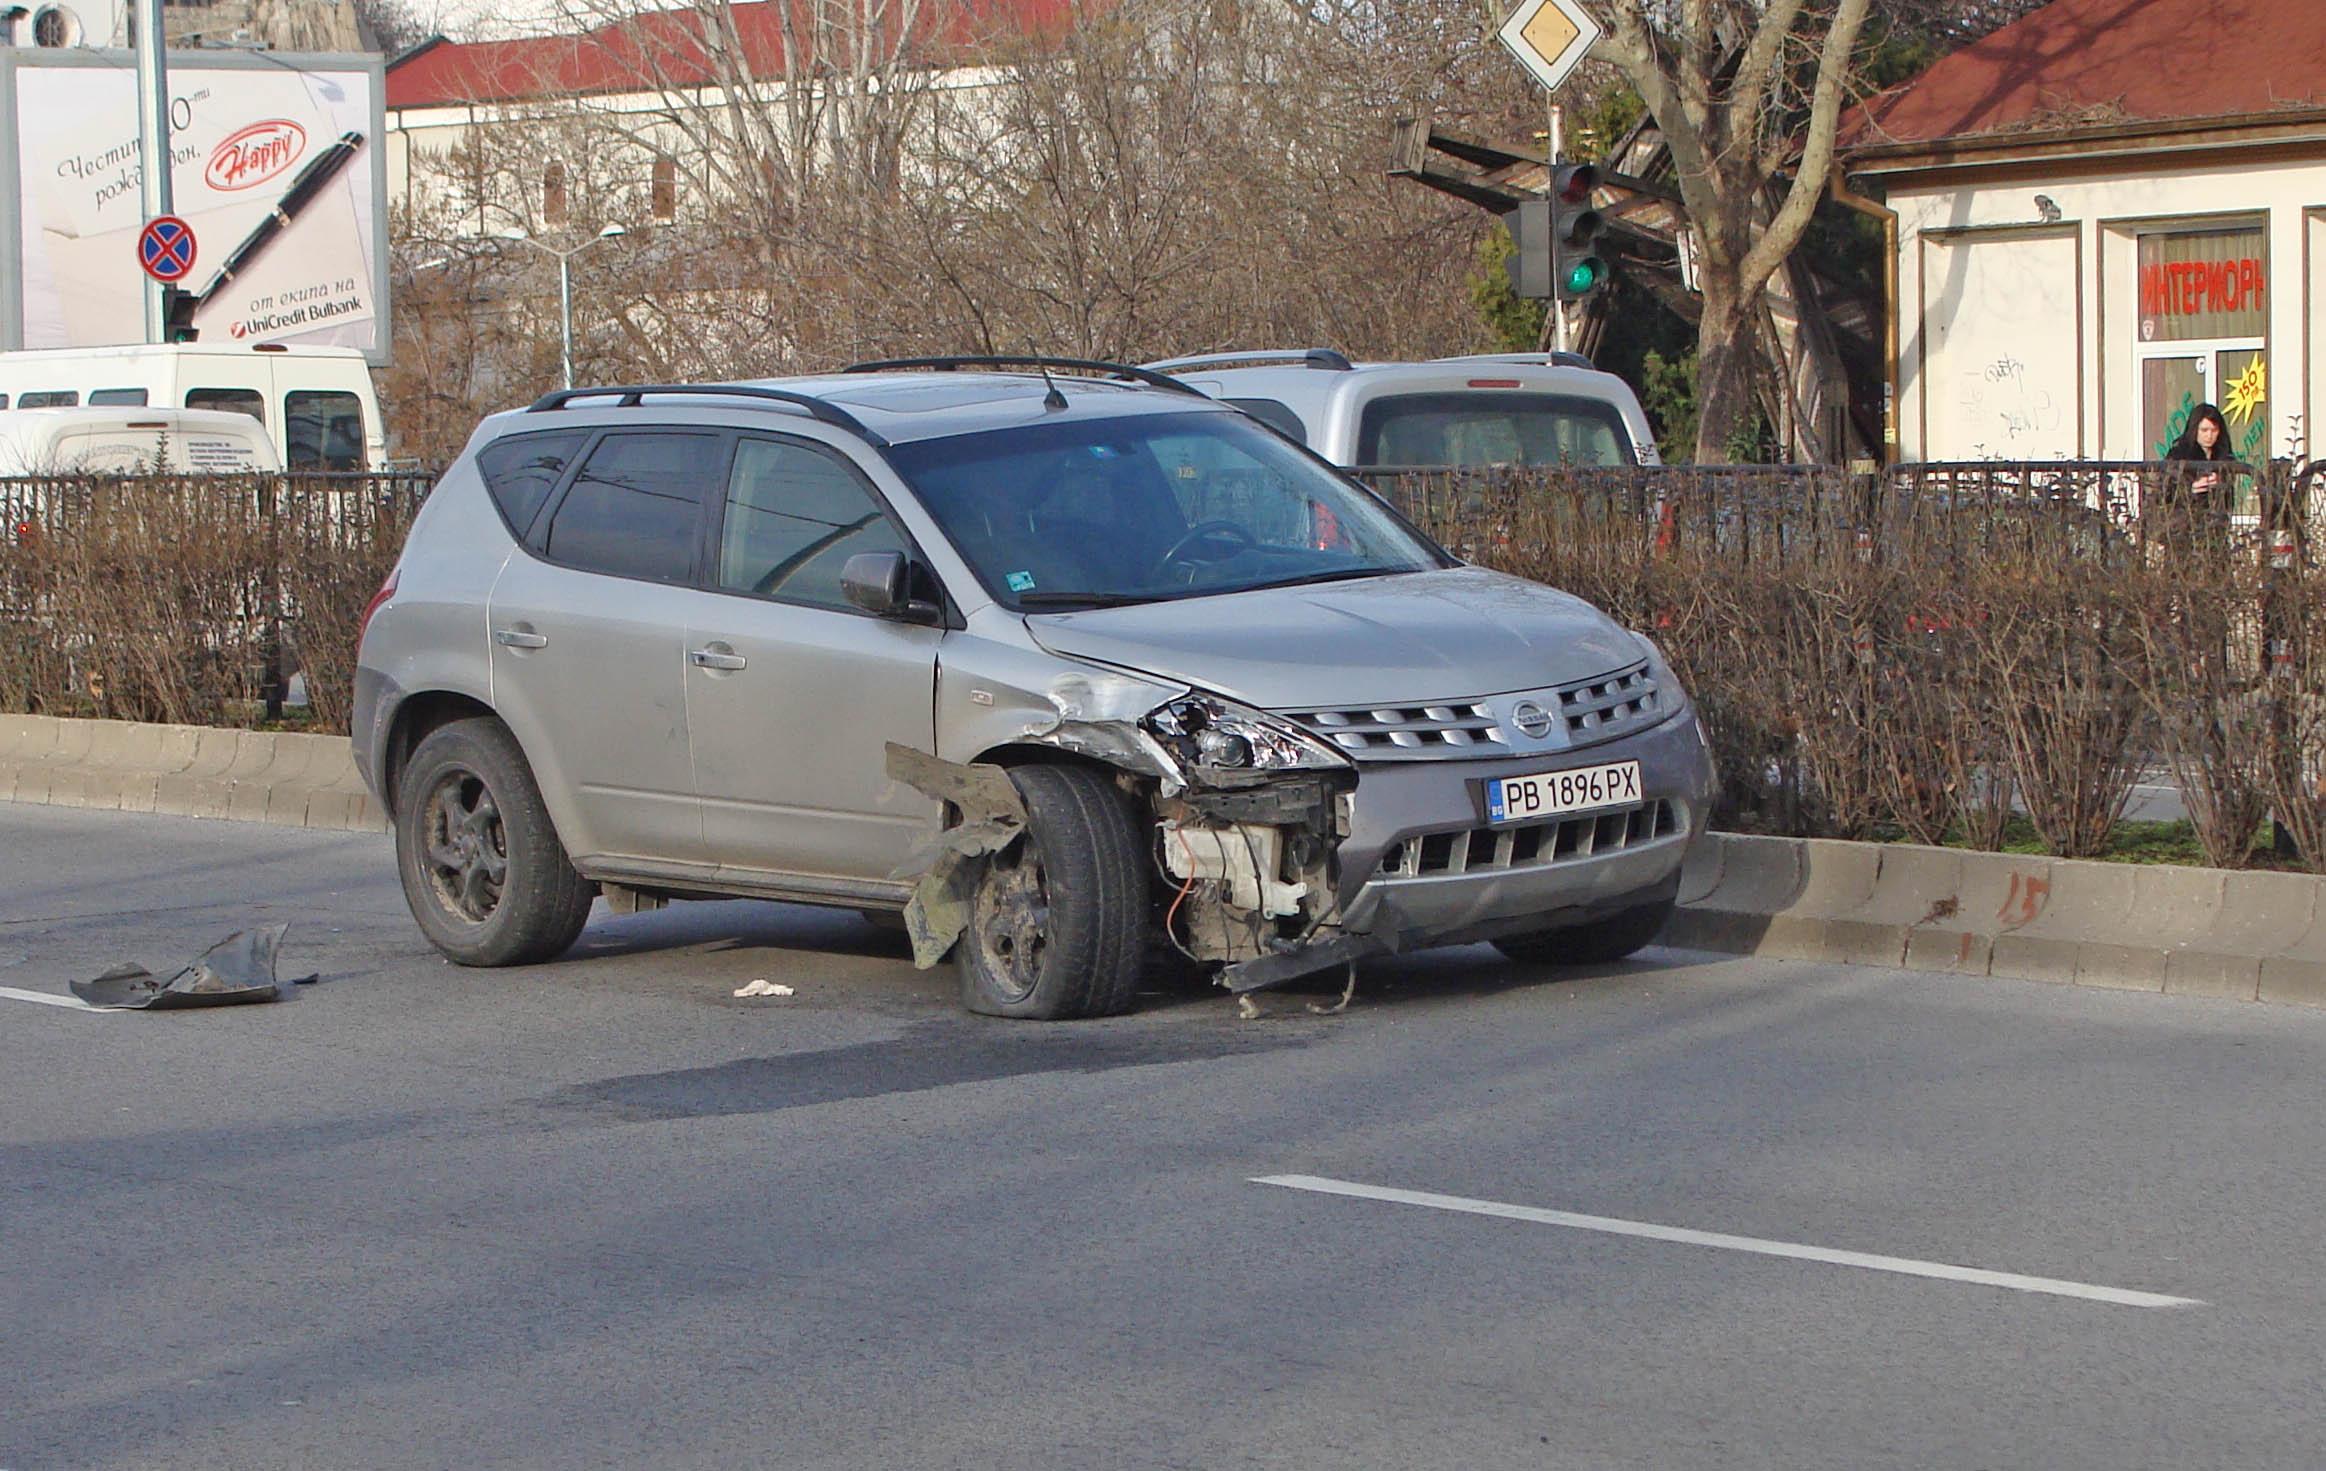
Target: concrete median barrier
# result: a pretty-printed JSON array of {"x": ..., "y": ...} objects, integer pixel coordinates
[
  {"x": 284, "y": 777},
  {"x": 2185, "y": 930}
]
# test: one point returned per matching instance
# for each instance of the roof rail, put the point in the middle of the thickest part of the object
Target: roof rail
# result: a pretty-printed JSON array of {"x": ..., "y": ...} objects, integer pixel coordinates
[
  {"x": 1560, "y": 359},
  {"x": 629, "y": 395},
  {"x": 1313, "y": 357},
  {"x": 1086, "y": 365}
]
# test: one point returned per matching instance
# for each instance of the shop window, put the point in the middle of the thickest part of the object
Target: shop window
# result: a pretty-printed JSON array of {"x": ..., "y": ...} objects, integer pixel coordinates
[{"x": 2202, "y": 336}]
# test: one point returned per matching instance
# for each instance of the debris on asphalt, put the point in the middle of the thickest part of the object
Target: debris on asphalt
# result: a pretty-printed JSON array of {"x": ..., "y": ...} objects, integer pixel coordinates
[
  {"x": 1348, "y": 994},
  {"x": 237, "y": 970},
  {"x": 764, "y": 987}
]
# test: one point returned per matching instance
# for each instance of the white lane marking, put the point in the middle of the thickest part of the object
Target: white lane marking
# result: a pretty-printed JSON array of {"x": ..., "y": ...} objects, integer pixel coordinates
[
  {"x": 69, "y": 1003},
  {"x": 1614, "y": 1226}
]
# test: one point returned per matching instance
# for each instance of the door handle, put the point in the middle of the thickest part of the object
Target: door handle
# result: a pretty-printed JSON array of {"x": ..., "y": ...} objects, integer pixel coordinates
[
  {"x": 717, "y": 656},
  {"x": 518, "y": 638}
]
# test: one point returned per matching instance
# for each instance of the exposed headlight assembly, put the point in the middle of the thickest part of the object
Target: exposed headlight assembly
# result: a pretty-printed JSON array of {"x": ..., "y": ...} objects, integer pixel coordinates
[{"x": 1212, "y": 734}]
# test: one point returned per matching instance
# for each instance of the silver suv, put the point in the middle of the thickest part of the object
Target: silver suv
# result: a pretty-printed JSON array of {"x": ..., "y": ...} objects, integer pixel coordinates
[{"x": 1078, "y": 674}]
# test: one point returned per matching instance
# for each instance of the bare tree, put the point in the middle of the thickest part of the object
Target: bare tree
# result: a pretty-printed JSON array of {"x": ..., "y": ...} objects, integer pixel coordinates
[{"x": 1741, "y": 89}]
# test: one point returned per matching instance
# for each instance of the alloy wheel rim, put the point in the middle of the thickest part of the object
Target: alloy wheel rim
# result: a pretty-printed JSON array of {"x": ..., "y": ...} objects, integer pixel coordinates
[
  {"x": 1012, "y": 920},
  {"x": 465, "y": 847}
]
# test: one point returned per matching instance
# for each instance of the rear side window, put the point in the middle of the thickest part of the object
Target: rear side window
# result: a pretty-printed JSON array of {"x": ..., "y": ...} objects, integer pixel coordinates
[
  {"x": 323, "y": 430},
  {"x": 522, "y": 470},
  {"x": 794, "y": 517},
  {"x": 117, "y": 397},
  {"x": 61, "y": 398},
  {"x": 636, "y": 507},
  {"x": 232, "y": 400},
  {"x": 1492, "y": 427},
  {"x": 1275, "y": 414}
]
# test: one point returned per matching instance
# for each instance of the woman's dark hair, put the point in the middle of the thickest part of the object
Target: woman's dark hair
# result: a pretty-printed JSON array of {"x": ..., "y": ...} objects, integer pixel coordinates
[{"x": 2187, "y": 448}]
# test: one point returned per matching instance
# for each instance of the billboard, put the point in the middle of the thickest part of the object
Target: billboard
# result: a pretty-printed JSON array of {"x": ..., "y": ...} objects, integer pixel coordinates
[{"x": 278, "y": 164}]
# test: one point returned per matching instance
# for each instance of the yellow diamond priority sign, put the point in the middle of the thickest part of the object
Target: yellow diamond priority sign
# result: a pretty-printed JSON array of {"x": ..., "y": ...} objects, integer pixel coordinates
[{"x": 1549, "y": 37}]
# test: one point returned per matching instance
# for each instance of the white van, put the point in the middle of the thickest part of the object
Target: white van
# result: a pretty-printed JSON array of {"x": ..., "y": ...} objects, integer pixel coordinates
[
  {"x": 316, "y": 402},
  {"x": 1505, "y": 408},
  {"x": 108, "y": 441}
]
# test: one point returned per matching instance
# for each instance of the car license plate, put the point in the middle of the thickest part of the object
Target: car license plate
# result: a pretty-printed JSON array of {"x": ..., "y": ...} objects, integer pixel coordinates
[{"x": 1556, "y": 793}]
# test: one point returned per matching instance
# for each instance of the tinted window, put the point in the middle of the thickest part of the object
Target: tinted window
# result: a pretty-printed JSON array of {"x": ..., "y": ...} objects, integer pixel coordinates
[
  {"x": 522, "y": 470},
  {"x": 63, "y": 398},
  {"x": 124, "y": 397},
  {"x": 635, "y": 510},
  {"x": 323, "y": 431},
  {"x": 232, "y": 400},
  {"x": 1275, "y": 415},
  {"x": 795, "y": 515},
  {"x": 1492, "y": 427}
]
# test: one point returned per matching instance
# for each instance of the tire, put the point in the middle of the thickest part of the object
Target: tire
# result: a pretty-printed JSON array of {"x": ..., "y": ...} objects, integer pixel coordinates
[
  {"x": 1058, "y": 922},
  {"x": 1596, "y": 942},
  {"x": 467, "y": 804}
]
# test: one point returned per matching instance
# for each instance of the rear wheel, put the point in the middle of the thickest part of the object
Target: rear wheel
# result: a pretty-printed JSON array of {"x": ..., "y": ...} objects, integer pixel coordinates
[
  {"x": 1057, "y": 925},
  {"x": 483, "y": 870},
  {"x": 1594, "y": 943}
]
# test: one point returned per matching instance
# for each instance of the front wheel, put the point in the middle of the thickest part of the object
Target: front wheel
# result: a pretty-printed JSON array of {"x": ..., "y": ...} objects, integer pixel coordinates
[
  {"x": 483, "y": 870},
  {"x": 1057, "y": 924},
  {"x": 1595, "y": 942}
]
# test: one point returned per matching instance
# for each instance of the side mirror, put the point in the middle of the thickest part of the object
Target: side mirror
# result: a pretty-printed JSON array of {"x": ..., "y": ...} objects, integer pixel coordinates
[{"x": 881, "y": 583}]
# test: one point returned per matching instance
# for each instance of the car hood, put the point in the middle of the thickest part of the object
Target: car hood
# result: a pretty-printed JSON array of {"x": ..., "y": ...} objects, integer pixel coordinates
[{"x": 1407, "y": 639}]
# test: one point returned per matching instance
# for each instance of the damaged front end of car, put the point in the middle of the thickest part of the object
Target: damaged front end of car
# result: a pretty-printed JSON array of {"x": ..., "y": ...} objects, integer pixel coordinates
[{"x": 1243, "y": 814}]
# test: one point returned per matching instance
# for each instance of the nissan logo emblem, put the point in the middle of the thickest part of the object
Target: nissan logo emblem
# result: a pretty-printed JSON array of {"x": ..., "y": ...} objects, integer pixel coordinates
[{"x": 1532, "y": 719}]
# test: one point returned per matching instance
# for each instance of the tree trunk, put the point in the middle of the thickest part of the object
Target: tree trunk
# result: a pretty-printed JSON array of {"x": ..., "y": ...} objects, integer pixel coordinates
[{"x": 1723, "y": 375}]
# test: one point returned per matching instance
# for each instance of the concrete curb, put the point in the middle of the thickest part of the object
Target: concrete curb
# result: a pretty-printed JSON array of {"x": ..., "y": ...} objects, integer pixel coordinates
[
  {"x": 2190, "y": 931},
  {"x": 280, "y": 777}
]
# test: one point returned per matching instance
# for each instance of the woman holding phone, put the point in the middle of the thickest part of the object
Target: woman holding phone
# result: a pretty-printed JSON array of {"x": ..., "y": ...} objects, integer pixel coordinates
[{"x": 2198, "y": 499}]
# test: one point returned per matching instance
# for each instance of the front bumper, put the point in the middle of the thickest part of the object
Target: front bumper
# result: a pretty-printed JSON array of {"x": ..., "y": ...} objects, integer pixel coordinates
[{"x": 1449, "y": 878}]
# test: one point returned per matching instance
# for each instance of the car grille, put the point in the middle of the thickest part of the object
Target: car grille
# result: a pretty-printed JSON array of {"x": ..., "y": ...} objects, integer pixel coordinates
[
  {"x": 1588, "y": 711},
  {"x": 1498, "y": 849}
]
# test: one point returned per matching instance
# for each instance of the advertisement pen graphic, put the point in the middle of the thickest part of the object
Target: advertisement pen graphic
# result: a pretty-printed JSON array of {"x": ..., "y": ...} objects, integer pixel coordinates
[{"x": 320, "y": 170}]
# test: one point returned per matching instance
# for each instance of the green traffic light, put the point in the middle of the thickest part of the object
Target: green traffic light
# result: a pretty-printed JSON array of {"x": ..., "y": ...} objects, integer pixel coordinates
[{"x": 1584, "y": 275}]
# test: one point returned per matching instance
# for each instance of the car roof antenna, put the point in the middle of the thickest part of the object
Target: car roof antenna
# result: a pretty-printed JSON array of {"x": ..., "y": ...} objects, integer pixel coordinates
[{"x": 1053, "y": 399}]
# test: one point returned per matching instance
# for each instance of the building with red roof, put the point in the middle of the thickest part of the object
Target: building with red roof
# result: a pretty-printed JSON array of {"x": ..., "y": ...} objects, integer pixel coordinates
[
  {"x": 528, "y": 100},
  {"x": 2104, "y": 214}
]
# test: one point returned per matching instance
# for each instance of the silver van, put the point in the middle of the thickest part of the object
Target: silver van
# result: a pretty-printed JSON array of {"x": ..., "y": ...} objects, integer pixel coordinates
[
  {"x": 1510, "y": 408},
  {"x": 1074, "y": 668}
]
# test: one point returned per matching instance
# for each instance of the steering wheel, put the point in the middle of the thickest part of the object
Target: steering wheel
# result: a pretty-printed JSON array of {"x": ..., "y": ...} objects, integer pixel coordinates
[{"x": 1203, "y": 531}]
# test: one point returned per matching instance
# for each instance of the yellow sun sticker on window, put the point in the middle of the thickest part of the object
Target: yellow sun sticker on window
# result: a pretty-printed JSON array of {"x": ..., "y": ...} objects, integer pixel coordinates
[{"x": 2248, "y": 391}]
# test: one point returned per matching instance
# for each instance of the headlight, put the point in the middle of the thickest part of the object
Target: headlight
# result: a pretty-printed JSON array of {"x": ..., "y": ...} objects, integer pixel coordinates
[
  {"x": 1673, "y": 698},
  {"x": 1212, "y": 734}
]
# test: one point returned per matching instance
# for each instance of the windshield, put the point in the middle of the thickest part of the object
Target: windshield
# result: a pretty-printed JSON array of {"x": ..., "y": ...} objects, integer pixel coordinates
[{"x": 1089, "y": 512}]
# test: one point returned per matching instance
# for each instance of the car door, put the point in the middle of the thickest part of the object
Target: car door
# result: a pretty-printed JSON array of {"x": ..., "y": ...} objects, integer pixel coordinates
[
  {"x": 792, "y": 693},
  {"x": 589, "y": 636}
]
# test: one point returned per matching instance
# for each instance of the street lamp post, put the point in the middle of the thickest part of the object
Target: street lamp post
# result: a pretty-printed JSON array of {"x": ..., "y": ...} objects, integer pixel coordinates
[{"x": 565, "y": 284}]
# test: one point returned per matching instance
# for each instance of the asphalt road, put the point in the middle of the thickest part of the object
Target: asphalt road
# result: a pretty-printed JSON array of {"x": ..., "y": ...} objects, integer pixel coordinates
[{"x": 602, "y": 1213}]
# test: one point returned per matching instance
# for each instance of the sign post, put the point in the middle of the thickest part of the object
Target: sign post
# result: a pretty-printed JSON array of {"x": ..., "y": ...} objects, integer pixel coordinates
[{"x": 153, "y": 152}]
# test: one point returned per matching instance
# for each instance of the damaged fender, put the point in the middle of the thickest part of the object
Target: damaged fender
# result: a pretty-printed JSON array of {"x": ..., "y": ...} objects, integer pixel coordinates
[{"x": 944, "y": 866}]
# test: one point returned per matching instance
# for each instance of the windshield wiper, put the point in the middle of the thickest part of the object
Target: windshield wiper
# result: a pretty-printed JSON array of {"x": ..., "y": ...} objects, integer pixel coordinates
[
  {"x": 1084, "y": 599},
  {"x": 1345, "y": 574}
]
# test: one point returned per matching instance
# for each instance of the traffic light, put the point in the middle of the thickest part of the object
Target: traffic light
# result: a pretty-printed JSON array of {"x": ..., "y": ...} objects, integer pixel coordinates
[
  {"x": 1576, "y": 267},
  {"x": 1529, "y": 262},
  {"x": 178, "y": 314}
]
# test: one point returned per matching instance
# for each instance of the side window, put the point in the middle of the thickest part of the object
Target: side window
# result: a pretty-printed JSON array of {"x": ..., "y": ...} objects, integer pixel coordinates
[
  {"x": 635, "y": 510},
  {"x": 1275, "y": 414},
  {"x": 795, "y": 515},
  {"x": 232, "y": 400},
  {"x": 3, "y": 400},
  {"x": 122, "y": 397},
  {"x": 59, "y": 398},
  {"x": 522, "y": 470},
  {"x": 323, "y": 431}
]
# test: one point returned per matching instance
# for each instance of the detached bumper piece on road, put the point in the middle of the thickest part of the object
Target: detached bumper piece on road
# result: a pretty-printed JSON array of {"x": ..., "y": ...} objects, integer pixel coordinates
[{"x": 236, "y": 971}]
